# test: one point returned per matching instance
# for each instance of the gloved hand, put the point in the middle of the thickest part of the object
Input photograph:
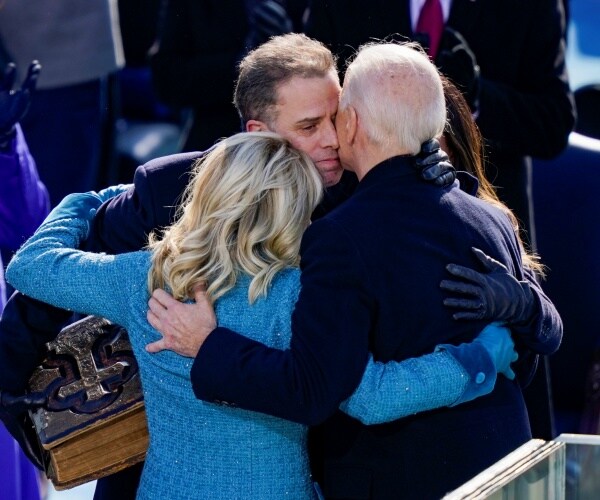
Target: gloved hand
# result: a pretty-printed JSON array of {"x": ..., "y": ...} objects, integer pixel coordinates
[
  {"x": 457, "y": 61},
  {"x": 497, "y": 341},
  {"x": 15, "y": 103},
  {"x": 495, "y": 295},
  {"x": 13, "y": 415},
  {"x": 434, "y": 165},
  {"x": 269, "y": 18},
  {"x": 112, "y": 191}
]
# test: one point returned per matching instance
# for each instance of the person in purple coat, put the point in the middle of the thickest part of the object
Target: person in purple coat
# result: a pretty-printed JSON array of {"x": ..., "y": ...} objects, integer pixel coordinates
[{"x": 24, "y": 203}]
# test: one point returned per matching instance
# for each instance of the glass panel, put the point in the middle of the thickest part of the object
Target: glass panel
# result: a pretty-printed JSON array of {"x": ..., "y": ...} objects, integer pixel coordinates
[
  {"x": 534, "y": 471},
  {"x": 582, "y": 466}
]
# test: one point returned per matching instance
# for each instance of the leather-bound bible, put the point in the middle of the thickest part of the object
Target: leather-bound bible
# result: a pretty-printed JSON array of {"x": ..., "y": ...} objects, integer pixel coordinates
[{"x": 94, "y": 422}]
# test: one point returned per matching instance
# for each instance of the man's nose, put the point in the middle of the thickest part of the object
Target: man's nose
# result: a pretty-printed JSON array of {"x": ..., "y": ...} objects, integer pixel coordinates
[{"x": 330, "y": 138}]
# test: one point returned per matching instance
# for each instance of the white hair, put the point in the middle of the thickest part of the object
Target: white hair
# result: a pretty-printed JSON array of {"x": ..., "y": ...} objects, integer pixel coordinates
[{"x": 397, "y": 92}]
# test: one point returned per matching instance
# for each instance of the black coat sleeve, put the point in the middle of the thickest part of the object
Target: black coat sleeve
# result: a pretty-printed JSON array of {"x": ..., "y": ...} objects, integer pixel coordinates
[{"x": 123, "y": 223}]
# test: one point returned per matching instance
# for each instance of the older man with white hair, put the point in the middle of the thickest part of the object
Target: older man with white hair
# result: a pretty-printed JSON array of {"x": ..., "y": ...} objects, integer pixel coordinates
[{"x": 394, "y": 237}]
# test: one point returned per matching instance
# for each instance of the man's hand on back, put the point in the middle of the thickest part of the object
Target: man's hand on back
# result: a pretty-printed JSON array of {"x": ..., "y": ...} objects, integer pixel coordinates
[{"x": 184, "y": 327}]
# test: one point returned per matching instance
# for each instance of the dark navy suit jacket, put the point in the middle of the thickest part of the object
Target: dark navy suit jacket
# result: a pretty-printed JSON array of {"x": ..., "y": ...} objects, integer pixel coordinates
[{"x": 370, "y": 276}]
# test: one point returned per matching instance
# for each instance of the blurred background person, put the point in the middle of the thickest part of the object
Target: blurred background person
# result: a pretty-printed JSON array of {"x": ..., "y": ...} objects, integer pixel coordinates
[
  {"x": 514, "y": 80},
  {"x": 68, "y": 127},
  {"x": 23, "y": 206},
  {"x": 194, "y": 64}
]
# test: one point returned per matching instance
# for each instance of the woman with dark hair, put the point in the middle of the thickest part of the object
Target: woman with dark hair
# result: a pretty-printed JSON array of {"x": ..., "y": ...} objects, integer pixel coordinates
[{"x": 464, "y": 144}]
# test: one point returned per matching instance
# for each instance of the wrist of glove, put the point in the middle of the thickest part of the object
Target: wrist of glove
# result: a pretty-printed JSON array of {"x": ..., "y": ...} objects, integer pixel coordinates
[
  {"x": 489, "y": 354},
  {"x": 13, "y": 405},
  {"x": 495, "y": 295},
  {"x": 434, "y": 166},
  {"x": 525, "y": 306},
  {"x": 112, "y": 191},
  {"x": 76, "y": 206},
  {"x": 478, "y": 365}
]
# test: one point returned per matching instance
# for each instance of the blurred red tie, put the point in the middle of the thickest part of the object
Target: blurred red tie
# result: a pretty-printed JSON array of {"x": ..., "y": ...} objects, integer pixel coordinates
[{"x": 431, "y": 21}]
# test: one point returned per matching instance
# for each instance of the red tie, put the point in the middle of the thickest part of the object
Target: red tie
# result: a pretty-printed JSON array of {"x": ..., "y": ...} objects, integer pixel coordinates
[{"x": 431, "y": 21}]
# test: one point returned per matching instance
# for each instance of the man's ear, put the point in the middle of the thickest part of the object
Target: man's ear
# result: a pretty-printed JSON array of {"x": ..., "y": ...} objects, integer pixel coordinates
[
  {"x": 256, "y": 126},
  {"x": 351, "y": 124}
]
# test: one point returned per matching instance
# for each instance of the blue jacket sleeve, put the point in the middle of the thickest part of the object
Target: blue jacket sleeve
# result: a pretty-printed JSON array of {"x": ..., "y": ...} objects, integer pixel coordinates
[
  {"x": 49, "y": 267},
  {"x": 450, "y": 376},
  {"x": 120, "y": 225},
  {"x": 329, "y": 345}
]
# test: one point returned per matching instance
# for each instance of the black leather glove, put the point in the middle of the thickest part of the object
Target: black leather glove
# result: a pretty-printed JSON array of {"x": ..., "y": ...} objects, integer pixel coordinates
[
  {"x": 495, "y": 295},
  {"x": 457, "y": 61},
  {"x": 15, "y": 103},
  {"x": 434, "y": 165},
  {"x": 13, "y": 413},
  {"x": 269, "y": 18}
]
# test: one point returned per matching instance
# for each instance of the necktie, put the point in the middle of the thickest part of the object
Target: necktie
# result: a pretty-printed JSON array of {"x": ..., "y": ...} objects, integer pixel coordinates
[{"x": 431, "y": 22}]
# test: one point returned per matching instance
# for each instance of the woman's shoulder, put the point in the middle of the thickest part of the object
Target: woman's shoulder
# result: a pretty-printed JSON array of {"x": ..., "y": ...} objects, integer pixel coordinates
[
  {"x": 267, "y": 319},
  {"x": 280, "y": 297},
  {"x": 134, "y": 267},
  {"x": 285, "y": 285},
  {"x": 287, "y": 276}
]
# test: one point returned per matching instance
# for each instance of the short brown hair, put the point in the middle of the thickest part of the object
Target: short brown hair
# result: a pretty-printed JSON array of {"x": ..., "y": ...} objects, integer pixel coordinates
[{"x": 273, "y": 63}]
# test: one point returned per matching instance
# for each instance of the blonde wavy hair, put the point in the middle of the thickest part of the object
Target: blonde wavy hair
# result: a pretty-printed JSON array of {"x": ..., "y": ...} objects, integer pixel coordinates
[{"x": 244, "y": 211}]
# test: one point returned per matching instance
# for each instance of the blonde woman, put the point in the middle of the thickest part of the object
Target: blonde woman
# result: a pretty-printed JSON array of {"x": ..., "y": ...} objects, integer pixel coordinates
[{"x": 238, "y": 235}]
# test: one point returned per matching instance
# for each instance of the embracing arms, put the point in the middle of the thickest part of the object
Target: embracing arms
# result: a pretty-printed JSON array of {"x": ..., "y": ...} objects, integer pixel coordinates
[{"x": 120, "y": 225}]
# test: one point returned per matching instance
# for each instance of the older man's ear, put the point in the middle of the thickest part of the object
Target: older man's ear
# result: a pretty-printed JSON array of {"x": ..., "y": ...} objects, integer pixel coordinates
[
  {"x": 351, "y": 124},
  {"x": 346, "y": 124}
]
